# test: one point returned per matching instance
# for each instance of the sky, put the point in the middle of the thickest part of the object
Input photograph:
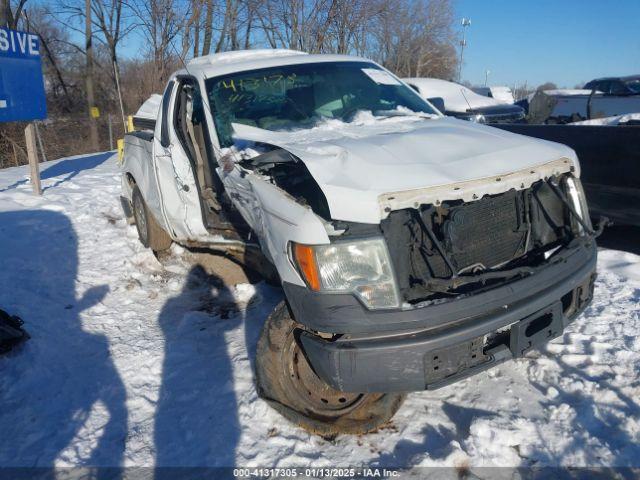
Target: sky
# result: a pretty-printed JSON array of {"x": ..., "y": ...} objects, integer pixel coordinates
[{"x": 568, "y": 42}]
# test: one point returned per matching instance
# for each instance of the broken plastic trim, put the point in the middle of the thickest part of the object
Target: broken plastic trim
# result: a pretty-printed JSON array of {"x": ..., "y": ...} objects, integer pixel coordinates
[{"x": 603, "y": 222}]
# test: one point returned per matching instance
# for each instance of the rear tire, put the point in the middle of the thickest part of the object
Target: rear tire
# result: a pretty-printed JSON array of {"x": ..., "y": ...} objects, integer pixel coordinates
[
  {"x": 150, "y": 233},
  {"x": 286, "y": 380}
]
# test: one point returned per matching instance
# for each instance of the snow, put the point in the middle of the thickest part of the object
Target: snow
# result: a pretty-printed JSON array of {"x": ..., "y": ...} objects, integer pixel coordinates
[
  {"x": 150, "y": 108},
  {"x": 243, "y": 56},
  {"x": 500, "y": 93},
  {"x": 568, "y": 91},
  {"x": 224, "y": 63},
  {"x": 457, "y": 98},
  {"x": 409, "y": 159},
  {"x": 137, "y": 363},
  {"x": 615, "y": 120}
]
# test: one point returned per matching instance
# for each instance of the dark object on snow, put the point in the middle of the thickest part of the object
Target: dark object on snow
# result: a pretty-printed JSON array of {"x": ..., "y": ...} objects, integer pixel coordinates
[
  {"x": 11, "y": 331},
  {"x": 610, "y": 160}
]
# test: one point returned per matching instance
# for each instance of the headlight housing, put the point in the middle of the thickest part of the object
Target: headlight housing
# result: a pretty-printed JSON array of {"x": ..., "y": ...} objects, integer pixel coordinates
[
  {"x": 575, "y": 194},
  {"x": 473, "y": 117},
  {"x": 360, "y": 267}
]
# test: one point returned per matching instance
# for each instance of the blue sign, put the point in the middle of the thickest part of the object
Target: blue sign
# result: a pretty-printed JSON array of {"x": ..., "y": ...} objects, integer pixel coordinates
[{"x": 21, "y": 85}]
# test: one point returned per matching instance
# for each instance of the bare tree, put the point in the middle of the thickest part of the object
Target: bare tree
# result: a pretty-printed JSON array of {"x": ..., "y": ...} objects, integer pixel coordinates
[
  {"x": 9, "y": 16},
  {"x": 53, "y": 40},
  {"x": 191, "y": 29},
  {"x": 108, "y": 15},
  {"x": 414, "y": 38},
  {"x": 161, "y": 22},
  {"x": 296, "y": 24}
]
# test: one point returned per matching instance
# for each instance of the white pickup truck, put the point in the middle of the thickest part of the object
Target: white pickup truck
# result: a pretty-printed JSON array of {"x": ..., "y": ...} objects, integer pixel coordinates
[{"x": 413, "y": 249}]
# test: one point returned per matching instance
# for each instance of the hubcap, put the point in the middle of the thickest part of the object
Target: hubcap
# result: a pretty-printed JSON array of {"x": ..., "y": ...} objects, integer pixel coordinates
[{"x": 317, "y": 396}]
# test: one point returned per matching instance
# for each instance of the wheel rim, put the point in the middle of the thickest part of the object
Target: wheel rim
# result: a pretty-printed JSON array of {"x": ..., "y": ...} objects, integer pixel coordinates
[
  {"x": 313, "y": 393},
  {"x": 141, "y": 219}
]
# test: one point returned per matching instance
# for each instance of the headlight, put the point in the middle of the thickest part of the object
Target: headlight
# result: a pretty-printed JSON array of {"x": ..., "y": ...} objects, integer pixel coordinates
[
  {"x": 578, "y": 199},
  {"x": 361, "y": 267},
  {"x": 478, "y": 118}
]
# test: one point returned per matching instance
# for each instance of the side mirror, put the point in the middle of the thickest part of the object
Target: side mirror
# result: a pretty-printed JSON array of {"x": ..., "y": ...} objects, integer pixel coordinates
[{"x": 437, "y": 102}]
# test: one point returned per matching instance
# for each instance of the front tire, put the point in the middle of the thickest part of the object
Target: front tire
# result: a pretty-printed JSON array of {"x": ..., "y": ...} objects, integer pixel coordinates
[
  {"x": 286, "y": 380},
  {"x": 150, "y": 233}
]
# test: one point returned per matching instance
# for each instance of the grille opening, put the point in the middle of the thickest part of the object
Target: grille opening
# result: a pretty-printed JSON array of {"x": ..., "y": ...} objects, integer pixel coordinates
[{"x": 455, "y": 248}]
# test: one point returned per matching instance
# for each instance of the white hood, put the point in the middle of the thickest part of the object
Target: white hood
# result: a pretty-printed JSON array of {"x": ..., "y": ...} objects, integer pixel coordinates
[{"x": 371, "y": 166}]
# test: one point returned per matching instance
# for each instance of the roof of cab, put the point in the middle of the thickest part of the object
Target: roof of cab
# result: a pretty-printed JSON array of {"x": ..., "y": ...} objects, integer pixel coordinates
[{"x": 241, "y": 60}]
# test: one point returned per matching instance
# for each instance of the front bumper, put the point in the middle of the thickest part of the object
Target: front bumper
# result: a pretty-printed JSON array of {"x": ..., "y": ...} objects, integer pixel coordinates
[{"x": 429, "y": 347}]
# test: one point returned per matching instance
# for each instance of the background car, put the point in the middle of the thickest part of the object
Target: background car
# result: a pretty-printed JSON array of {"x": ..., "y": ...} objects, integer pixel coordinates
[
  {"x": 461, "y": 102},
  {"x": 616, "y": 85}
]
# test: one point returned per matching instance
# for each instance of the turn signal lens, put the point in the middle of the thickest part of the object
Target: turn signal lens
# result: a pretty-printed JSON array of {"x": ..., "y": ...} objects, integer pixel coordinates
[
  {"x": 361, "y": 267},
  {"x": 306, "y": 260}
]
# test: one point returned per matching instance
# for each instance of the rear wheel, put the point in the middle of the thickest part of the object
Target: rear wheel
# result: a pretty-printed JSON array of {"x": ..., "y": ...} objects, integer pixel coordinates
[
  {"x": 150, "y": 233},
  {"x": 285, "y": 379}
]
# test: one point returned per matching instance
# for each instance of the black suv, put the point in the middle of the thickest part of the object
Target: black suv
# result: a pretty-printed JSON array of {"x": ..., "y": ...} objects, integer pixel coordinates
[{"x": 616, "y": 85}]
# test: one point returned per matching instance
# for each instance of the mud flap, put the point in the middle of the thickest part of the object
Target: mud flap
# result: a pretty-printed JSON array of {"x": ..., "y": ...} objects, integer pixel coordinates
[{"x": 11, "y": 331}]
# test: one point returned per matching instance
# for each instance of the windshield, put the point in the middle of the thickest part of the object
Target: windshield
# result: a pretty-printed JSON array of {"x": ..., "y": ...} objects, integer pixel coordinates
[
  {"x": 634, "y": 85},
  {"x": 298, "y": 96}
]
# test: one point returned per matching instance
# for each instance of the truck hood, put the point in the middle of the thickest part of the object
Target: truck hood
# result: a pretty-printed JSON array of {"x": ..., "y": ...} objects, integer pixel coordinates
[{"x": 370, "y": 166}]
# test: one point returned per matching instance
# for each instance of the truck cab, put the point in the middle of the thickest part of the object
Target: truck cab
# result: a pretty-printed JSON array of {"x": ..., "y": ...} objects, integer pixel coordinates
[{"x": 413, "y": 249}]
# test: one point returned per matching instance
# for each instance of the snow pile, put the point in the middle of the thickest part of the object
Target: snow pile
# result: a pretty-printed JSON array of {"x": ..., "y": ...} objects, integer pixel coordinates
[
  {"x": 238, "y": 56},
  {"x": 457, "y": 98},
  {"x": 133, "y": 362},
  {"x": 615, "y": 120},
  {"x": 364, "y": 124},
  {"x": 150, "y": 108}
]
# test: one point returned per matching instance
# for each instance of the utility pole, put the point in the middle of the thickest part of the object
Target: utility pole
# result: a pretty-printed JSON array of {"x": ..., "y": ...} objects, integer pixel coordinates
[
  {"x": 93, "y": 127},
  {"x": 486, "y": 77},
  {"x": 466, "y": 22}
]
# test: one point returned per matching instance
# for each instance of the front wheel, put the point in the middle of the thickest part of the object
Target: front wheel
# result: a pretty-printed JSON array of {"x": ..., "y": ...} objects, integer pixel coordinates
[{"x": 286, "y": 380}]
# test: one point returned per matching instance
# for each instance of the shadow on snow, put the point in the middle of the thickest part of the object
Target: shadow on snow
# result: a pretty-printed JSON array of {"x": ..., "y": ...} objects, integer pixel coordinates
[
  {"x": 52, "y": 386},
  {"x": 68, "y": 168}
]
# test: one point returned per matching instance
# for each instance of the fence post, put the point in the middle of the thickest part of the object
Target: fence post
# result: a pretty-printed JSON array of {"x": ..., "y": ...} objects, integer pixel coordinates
[
  {"x": 110, "y": 132},
  {"x": 32, "y": 154},
  {"x": 39, "y": 137}
]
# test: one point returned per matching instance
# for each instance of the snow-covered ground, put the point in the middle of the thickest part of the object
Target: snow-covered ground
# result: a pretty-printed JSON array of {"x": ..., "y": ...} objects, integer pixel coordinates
[{"x": 136, "y": 363}]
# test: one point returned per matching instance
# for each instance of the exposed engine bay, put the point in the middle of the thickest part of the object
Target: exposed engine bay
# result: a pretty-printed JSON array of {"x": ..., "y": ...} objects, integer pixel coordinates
[
  {"x": 457, "y": 247},
  {"x": 289, "y": 173}
]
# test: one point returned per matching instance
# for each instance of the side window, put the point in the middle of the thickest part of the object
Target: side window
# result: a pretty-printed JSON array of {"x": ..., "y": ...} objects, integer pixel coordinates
[
  {"x": 164, "y": 128},
  {"x": 604, "y": 87},
  {"x": 618, "y": 88}
]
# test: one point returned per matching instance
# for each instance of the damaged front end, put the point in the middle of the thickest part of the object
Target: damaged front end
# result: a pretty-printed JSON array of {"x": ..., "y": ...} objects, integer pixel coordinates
[
  {"x": 458, "y": 248},
  {"x": 479, "y": 283},
  {"x": 286, "y": 171}
]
